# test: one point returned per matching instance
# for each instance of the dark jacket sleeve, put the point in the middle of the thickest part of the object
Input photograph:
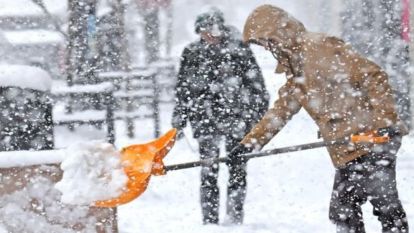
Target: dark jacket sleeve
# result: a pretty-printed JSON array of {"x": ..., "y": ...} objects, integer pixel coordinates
[
  {"x": 253, "y": 81},
  {"x": 182, "y": 93}
]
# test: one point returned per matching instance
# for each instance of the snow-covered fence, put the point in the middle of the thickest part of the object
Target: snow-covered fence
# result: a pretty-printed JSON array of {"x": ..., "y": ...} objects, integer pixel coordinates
[
  {"x": 30, "y": 203},
  {"x": 136, "y": 97},
  {"x": 38, "y": 47},
  {"x": 166, "y": 76},
  {"x": 98, "y": 95}
]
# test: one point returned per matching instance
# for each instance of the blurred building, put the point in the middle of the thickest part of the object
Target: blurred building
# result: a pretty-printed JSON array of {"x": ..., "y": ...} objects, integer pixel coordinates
[{"x": 32, "y": 35}]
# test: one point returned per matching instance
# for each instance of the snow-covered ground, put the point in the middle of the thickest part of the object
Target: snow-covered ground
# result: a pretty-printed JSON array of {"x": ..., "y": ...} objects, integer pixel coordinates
[
  {"x": 92, "y": 171},
  {"x": 287, "y": 193}
]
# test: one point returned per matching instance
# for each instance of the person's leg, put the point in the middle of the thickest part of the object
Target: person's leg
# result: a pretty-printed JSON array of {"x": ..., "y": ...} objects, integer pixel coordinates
[
  {"x": 209, "y": 191},
  {"x": 382, "y": 188},
  {"x": 236, "y": 187},
  {"x": 347, "y": 198}
]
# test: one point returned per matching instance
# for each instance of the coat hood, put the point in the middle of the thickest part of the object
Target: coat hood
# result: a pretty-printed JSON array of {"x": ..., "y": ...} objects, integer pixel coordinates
[{"x": 274, "y": 25}]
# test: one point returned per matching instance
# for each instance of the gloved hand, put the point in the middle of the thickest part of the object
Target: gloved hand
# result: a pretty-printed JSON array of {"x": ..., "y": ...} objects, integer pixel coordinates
[
  {"x": 236, "y": 157},
  {"x": 388, "y": 131},
  {"x": 180, "y": 134},
  {"x": 179, "y": 123}
]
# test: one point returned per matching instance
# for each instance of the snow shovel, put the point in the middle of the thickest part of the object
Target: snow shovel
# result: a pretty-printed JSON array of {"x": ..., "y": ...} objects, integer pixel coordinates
[{"x": 142, "y": 161}]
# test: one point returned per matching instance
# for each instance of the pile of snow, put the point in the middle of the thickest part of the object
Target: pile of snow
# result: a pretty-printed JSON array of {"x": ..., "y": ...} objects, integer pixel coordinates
[
  {"x": 91, "y": 172},
  {"x": 36, "y": 208},
  {"x": 10, "y": 159},
  {"x": 24, "y": 77},
  {"x": 2, "y": 229}
]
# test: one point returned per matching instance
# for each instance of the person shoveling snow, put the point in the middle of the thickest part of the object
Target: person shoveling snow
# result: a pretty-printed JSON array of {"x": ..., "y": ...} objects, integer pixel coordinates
[{"x": 97, "y": 174}]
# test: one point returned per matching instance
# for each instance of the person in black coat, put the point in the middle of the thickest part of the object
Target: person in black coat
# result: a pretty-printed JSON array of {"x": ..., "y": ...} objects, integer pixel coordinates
[{"x": 220, "y": 90}]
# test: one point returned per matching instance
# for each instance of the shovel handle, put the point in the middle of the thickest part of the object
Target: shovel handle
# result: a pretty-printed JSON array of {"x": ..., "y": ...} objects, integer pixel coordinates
[
  {"x": 248, "y": 156},
  {"x": 370, "y": 138},
  {"x": 359, "y": 138}
]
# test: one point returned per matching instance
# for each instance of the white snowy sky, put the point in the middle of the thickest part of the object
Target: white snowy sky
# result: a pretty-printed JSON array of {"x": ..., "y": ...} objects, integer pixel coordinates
[{"x": 236, "y": 12}]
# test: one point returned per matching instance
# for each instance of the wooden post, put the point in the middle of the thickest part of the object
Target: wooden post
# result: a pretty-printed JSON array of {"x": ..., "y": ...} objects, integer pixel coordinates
[
  {"x": 119, "y": 9},
  {"x": 49, "y": 125},
  {"x": 169, "y": 33},
  {"x": 109, "y": 101},
  {"x": 152, "y": 34},
  {"x": 156, "y": 106},
  {"x": 125, "y": 61},
  {"x": 78, "y": 39}
]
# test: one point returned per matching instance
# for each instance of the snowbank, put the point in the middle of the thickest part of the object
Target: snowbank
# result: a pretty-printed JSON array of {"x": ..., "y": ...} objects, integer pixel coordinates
[
  {"x": 11, "y": 159},
  {"x": 92, "y": 172},
  {"x": 24, "y": 77},
  {"x": 34, "y": 37},
  {"x": 87, "y": 88},
  {"x": 28, "y": 8}
]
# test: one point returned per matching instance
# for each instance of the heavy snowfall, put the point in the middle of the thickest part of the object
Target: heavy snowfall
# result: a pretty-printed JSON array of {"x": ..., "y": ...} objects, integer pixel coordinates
[{"x": 90, "y": 91}]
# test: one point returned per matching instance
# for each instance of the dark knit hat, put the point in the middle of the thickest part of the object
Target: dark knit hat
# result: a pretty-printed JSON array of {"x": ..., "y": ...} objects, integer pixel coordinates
[{"x": 206, "y": 21}]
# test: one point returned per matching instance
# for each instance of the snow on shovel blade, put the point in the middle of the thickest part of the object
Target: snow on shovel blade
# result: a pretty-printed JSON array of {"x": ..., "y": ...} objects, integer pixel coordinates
[{"x": 140, "y": 162}]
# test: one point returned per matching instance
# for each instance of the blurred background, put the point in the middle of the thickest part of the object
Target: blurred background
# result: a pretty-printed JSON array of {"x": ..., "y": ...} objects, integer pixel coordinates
[{"x": 74, "y": 40}]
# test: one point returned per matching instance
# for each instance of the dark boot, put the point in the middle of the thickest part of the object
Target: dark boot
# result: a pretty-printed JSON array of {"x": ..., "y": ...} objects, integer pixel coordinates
[
  {"x": 391, "y": 214},
  {"x": 210, "y": 205},
  {"x": 236, "y": 193},
  {"x": 349, "y": 228},
  {"x": 234, "y": 208},
  {"x": 236, "y": 187},
  {"x": 383, "y": 189}
]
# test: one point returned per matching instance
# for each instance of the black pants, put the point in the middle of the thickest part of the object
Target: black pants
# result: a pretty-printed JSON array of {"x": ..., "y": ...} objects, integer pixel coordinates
[
  {"x": 236, "y": 186},
  {"x": 370, "y": 177}
]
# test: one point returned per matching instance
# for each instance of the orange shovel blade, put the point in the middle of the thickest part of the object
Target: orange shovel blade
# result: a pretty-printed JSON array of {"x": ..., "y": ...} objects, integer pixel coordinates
[{"x": 140, "y": 162}]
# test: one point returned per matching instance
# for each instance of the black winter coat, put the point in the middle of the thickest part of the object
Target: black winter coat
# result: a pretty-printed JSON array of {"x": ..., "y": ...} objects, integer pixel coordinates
[{"x": 220, "y": 89}]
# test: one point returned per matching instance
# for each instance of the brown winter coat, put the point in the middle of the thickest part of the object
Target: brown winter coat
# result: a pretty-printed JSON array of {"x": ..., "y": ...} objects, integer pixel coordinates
[{"x": 342, "y": 91}]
